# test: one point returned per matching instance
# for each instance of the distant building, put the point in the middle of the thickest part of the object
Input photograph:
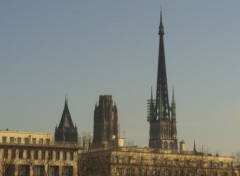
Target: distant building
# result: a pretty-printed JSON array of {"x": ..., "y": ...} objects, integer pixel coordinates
[
  {"x": 36, "y": 154},
  {"x": 134, "y": 161},
  {"x": 66, "y": 131},
  {"x": 106, "y": 127}
]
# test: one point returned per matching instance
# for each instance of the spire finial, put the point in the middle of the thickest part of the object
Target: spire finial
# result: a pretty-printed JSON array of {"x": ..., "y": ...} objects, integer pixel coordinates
[
  {"x": 161, "y": 28},
  {"x": 66, "y": 98},
  {"x": 194, "y": 146}
]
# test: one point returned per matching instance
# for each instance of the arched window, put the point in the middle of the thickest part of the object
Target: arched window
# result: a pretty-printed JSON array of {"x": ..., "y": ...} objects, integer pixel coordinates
[{"x": 165, "y": 145}]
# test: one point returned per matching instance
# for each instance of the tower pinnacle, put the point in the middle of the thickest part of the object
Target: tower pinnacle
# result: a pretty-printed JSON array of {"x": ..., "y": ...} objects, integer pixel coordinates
[{"x": 161, "y": 28}]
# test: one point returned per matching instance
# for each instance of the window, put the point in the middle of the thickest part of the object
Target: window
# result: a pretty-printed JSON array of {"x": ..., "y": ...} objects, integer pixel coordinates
[
  {"x": 53, "y": 171},
  {"x": 210, "y": 164},
  {"x": 43, "y": 154},
  {"x": 199, "y": 163},
  {"x": 47, "y": 141},
  {"x": 19, "y": 140},
  {"x": 50, "y": 155},
  {"x": 119, "y": 171},
  {"x": 26, "y": 140},
  {"x": 67, "y": 170},
  {"x": 130, "y": 172},
  {"x": 9, "y": 169},
  {"x": 4, "y": 139},
  {"x": 12, "y": 140},
  {"x": 28, "y": 154},
  {"x": 57, "y": 155},
  {"x": 71, "y": 156},
  {"x": 34, "y": 140},
  {"x": 38, "y": 170},
  {"x": 20, "y": 153},
  {"x": 5, "y": 153},
  {"x": 13, "y": 154},
  {"x": 24, "y": 170},
  {"x": 64, "y": 155},
  {"x": 187, "y": 162},
  {"x": 36, "y": 154},
  {"x": 41, "y": 141}
]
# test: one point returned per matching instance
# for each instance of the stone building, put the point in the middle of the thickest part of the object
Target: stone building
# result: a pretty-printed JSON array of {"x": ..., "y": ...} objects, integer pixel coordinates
[
  {"x": 106, "y": 127},
  {"x": 134, "y": 161},
  {"x": 36, "y": 154}
]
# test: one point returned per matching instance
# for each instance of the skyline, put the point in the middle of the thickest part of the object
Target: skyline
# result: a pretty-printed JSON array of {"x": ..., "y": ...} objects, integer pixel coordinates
[{"x": 87, "y": 49}]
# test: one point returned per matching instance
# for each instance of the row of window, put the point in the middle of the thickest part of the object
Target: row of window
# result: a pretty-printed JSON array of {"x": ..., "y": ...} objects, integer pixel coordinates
[
  {"x": 37, "y": 154},
  {"x": 38, "y": 170},
  {"x": 166, "y": 172},
  {"x": 165, "y": 161},
  {"x": 25, "y": 140}
]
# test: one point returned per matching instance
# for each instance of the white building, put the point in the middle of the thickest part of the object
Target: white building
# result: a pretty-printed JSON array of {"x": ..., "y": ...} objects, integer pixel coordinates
[{"x": 29, "y": 153}]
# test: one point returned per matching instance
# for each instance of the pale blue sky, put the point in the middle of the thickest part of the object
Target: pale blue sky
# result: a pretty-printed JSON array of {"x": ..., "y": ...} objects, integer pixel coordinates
[{"x": 90, "y": 48}]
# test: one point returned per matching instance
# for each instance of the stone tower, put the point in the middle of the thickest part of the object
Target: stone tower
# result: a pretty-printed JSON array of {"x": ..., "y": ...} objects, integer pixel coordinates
[
  {"x": 106, "y": 127},
  {"x": 66, "y": 131},
  {"x": 162, "y": 117}
]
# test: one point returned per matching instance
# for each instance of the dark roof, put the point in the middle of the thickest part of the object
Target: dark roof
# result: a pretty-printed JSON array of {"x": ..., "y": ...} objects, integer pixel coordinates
[{"x": 66, "y": 120}]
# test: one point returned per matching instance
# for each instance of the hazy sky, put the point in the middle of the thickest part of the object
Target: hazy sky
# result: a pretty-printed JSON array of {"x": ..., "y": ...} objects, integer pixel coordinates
[{"x": 91, "y": 48}]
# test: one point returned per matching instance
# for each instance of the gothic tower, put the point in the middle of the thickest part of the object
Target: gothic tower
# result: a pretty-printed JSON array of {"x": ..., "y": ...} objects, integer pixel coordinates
[
  {"x": 162, "y": 117},
  {"x": 106, "y": 128},
  {"x": 66, "y": 131}
]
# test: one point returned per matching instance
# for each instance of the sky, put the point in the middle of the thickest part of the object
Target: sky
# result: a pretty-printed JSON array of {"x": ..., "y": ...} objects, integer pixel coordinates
[{"x": 91, "y": 48}]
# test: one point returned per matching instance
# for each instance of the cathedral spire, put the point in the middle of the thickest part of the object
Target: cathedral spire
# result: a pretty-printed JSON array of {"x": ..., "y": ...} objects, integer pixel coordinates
[
  {"x": 163, "y": 129},
  {"x": 162, "y": 88}
]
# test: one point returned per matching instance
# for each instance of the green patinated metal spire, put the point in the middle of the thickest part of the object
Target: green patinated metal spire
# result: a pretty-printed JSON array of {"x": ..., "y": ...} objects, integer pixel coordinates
[
  {"x": 162, "y": 103},
  {"x": 151, "y": 105}
]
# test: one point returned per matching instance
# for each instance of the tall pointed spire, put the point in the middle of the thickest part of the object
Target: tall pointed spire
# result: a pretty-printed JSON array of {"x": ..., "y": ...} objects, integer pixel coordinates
[
  {"x": 162, "y": 88},
  {"x": 66, "y": 132},
  {"x": 163, "y": 130}
]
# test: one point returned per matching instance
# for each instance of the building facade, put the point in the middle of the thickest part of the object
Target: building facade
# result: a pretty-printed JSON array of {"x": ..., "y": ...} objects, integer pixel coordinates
[
  {"x": 66, "y": 131},
  {"x": 106, "y": 127},
  {"x": 134, "y": 161},
  {"x": 36, "y": 154},
  {"x": 162, "y": 116}
]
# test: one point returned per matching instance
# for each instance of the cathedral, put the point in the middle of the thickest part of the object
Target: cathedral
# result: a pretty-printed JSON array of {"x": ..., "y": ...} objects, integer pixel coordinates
[{"x": 163, "y": 156}]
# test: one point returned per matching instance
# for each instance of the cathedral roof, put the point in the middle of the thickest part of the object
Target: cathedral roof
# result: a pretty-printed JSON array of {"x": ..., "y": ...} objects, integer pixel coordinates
[{"x": 66, "y": 120}]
